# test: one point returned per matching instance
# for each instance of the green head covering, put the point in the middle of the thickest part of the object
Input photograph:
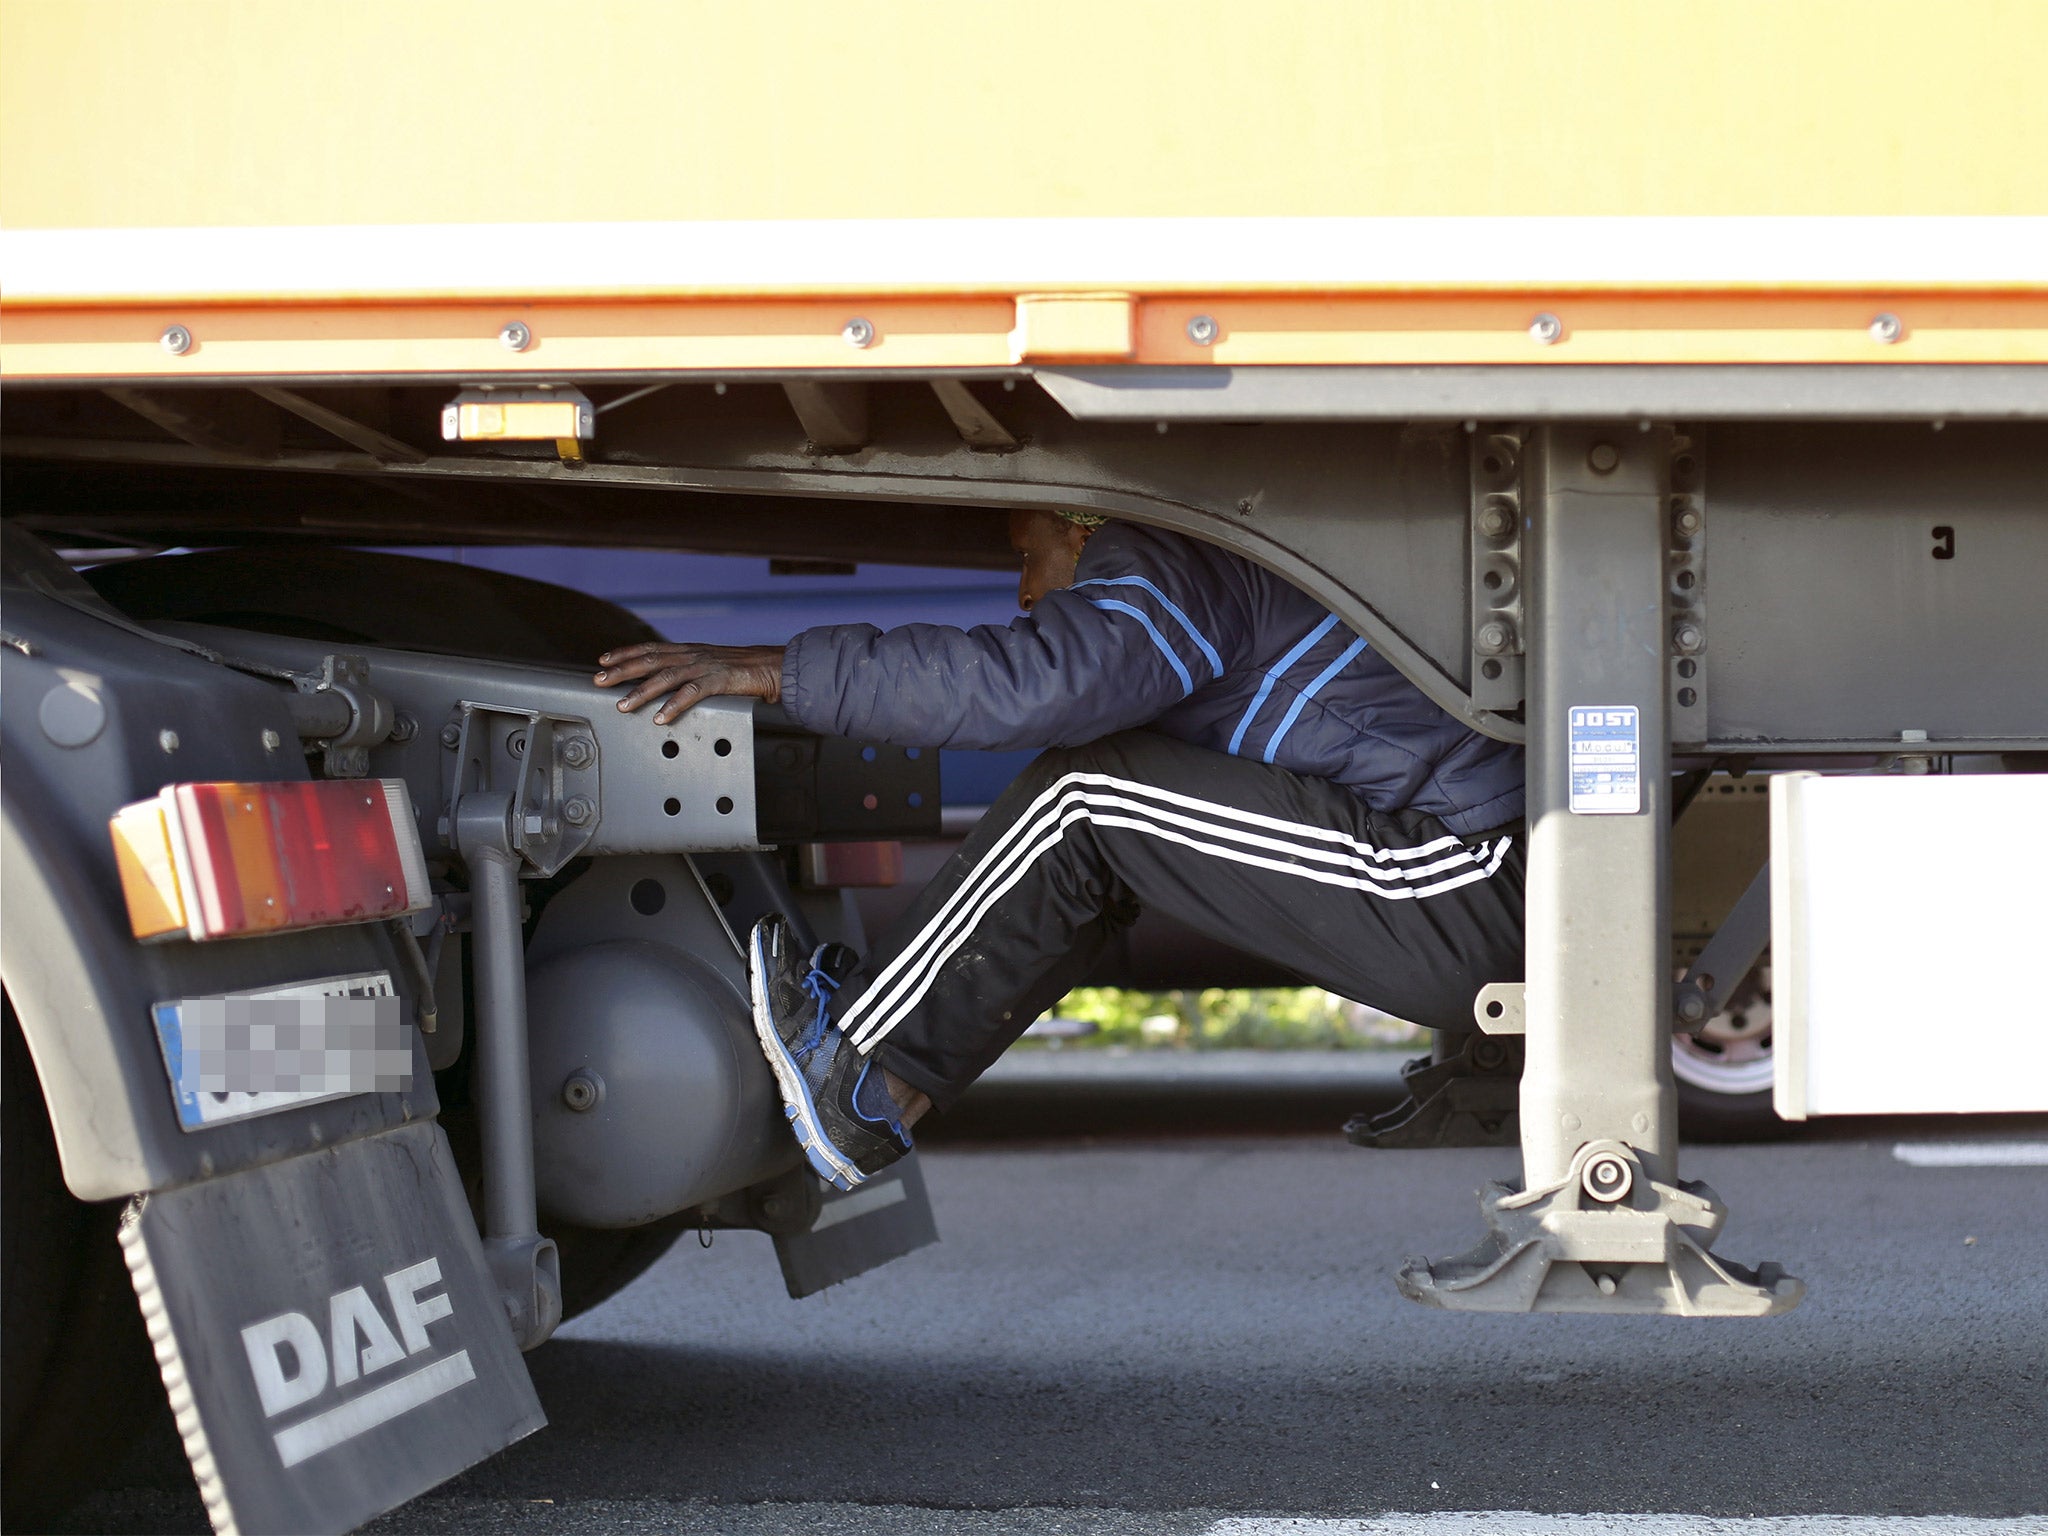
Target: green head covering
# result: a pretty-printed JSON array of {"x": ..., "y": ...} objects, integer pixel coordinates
[{"x": 1081, "y": 519}]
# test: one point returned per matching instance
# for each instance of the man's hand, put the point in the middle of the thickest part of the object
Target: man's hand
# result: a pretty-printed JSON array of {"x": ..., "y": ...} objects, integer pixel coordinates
[{"x": 693, "y": 672}]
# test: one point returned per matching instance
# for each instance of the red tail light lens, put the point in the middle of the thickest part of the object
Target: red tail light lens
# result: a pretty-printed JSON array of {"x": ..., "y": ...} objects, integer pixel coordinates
[{"x": 220, "y": 860}]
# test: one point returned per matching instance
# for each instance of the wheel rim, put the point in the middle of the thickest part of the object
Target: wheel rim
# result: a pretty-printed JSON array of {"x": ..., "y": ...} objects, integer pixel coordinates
[{"x": 1732, "y": 1052}]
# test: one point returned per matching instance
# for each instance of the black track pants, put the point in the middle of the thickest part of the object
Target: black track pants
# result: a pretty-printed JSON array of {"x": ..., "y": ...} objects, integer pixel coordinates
[{"x": 1391, "y": 910}]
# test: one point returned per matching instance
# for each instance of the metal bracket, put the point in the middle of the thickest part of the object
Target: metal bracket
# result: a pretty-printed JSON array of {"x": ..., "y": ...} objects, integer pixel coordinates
[
  {"x": 1496, "y": 543},
  {"x": 370, "y": 719},
  {"x": 977, "y": 425},
  {"x": 1686, "y": 562},
  {"x": 1731, "y": 954},
  {"x": 1498, "y": 1009},
  {"x": 545, "y": 765},
  {"x": 528, "y": 1269},
  {"x": 833, "y": 788},
  {"x": 834, "y": 416},
  {"x": 1467, "y": 1093},
  {"x": 378, "y": 445},
  {"x": 525, "y": 1264},
  {"x": 524, "y": 798},
  {"x": 1607, "y": 1238}
]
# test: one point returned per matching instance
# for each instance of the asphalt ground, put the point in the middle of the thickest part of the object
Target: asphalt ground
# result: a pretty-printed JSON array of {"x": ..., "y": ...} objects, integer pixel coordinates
[{"x": 1154, "y": 1335}]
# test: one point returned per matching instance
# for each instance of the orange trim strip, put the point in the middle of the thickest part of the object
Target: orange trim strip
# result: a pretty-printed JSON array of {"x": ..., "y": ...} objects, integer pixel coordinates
[{"x": 662, "y": 335}]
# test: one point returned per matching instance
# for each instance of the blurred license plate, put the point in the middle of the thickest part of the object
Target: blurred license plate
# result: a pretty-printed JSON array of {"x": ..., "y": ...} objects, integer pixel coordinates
[{"x": 272, "y": 1048}]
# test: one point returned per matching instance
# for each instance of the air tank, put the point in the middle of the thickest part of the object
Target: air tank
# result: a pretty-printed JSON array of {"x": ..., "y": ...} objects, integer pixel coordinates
[{"x": 650, "y": 1094}]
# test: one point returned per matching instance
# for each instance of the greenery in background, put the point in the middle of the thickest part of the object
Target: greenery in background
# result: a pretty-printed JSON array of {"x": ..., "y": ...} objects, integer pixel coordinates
[{"x": 1222, "y": 1018}]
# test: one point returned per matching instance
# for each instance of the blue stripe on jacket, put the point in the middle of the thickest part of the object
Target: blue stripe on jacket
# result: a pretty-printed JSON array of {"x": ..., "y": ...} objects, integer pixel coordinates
[
  {"x": 1180, "y": 668},
  {"x": 1301, "y": 699},
  {"x": 1201, "y": 640},
  {"x": 1301, "y": 649}
]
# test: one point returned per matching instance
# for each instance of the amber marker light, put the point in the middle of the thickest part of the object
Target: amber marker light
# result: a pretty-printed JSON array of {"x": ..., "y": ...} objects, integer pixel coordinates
[{"x": 216, "y": 861}]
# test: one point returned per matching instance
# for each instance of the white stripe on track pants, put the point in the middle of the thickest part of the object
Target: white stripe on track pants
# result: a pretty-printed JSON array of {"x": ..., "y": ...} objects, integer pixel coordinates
[{"x": 1389, "y": 909}]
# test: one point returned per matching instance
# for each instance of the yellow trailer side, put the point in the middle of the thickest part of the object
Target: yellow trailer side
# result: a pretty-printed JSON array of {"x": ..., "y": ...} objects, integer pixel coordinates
[
  {"x": 135, "y": 114},
  {"x": 381, "y": 188}
]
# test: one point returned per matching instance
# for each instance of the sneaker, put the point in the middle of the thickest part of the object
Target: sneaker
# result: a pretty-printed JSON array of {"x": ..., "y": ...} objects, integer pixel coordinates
[{"x": 836, "y": 1099}]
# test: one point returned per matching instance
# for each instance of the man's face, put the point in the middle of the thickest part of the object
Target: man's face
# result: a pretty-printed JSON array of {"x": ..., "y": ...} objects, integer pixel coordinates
[{"x": 1050, "y": 548}]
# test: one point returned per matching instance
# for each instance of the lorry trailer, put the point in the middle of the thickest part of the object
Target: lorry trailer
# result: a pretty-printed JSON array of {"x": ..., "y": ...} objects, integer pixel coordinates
[{"x": 1667, "y": 392}]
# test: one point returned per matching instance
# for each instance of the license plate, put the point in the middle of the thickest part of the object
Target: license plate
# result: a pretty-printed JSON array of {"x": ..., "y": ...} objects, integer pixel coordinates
[{"x": 272, "y": 1048}]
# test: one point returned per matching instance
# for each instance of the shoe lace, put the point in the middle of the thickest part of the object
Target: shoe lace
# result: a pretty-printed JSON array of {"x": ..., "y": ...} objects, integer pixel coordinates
[{"x": 819, "y": 985}]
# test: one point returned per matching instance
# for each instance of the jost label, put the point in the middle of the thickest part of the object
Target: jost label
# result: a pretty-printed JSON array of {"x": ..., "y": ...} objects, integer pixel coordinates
[
  {"x": 1606, "y": 759},
  {"x": 343, "y": 1354}
]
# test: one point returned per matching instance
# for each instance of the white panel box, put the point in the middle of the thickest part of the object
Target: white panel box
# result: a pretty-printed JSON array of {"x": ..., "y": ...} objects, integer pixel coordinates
[{"x": 1909, "y": 926}]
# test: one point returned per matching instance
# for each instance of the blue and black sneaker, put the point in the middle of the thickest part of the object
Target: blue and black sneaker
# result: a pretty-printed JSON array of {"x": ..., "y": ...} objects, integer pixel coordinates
[{"x": 837, "y": 1100}]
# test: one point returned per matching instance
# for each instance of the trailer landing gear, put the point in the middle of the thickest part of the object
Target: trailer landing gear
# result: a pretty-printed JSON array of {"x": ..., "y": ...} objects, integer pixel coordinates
[
  {"x": 1605, "y": 1238},
  {"x": 1600, "y": 1221}
]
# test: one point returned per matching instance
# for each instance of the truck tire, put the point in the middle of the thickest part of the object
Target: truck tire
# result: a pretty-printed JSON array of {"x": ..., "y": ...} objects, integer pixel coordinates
[
  {"x": 365, "y": 597},
  {"x": 1724, "y": 1072},
  {"x": 77, "y": 1379},
  {"x": 1707, "y": 1115}
]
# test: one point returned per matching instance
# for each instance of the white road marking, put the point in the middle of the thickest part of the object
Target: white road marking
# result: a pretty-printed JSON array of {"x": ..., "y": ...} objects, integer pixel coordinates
[
  {"x": 1972, "y": 1154},
  {"x": 1522, "y": 1523}
]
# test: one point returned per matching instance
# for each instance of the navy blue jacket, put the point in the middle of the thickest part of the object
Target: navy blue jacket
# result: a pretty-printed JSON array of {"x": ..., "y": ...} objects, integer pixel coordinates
[{"x": 1165, "y": 631}]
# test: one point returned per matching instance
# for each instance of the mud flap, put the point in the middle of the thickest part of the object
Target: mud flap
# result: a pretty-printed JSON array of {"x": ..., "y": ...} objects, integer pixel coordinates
[
  {"x": 852, "y": 1233},
  {"x": 328, "y": 1332}
]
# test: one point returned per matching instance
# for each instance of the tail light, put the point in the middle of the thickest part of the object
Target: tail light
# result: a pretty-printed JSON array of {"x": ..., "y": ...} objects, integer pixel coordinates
[{"x": 215, "y": 861}]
